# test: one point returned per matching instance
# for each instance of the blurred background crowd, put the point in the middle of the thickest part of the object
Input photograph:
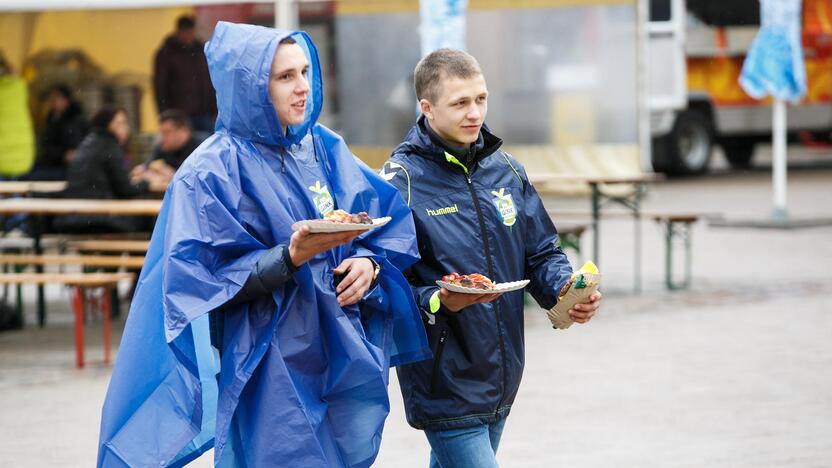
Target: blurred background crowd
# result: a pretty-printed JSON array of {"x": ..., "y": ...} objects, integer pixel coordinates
[
  {"x": 68, "y": 117},
  {"x": 599, "y": 86}
]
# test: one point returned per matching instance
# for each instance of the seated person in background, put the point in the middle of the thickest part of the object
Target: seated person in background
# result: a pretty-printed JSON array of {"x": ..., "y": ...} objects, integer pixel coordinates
[
  {"x": 63, "y": 131},
  {"x": 176, "y": 142},
  {"x": 98, "y": 171}
]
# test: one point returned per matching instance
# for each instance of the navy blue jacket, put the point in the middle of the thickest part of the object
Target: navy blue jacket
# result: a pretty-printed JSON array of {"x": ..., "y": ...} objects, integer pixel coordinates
[{"x": 475, "y": 216}]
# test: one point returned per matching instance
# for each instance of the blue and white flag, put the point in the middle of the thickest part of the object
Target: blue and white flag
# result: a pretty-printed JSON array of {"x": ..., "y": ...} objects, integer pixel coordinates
[
  {"x": 774, "y": 65},
  {"x": 443, "y": 24}
]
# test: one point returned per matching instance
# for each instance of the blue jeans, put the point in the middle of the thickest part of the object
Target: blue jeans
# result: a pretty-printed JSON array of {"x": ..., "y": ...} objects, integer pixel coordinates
[{"x": 471, "y": 447}]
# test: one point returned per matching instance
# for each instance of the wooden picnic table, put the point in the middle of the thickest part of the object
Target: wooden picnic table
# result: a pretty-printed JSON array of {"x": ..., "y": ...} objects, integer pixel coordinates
[
  {"x": 65, "y": 206},
  {"x": 81, "y": 282},
  {"x": 110, "y": 245},
  {"x": 631, "y": 201},
  {"x": 112, "y": 261},
  {"x": 39, "y": 207},
  {"x": 70, "y": 279},
  {"x": 22, "y": 187},
  {"x": 28, "y": 187}
]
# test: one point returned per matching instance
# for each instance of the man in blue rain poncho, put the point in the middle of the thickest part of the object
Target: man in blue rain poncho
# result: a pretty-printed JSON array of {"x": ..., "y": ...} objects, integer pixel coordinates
[{"x": 301, "y": 376}]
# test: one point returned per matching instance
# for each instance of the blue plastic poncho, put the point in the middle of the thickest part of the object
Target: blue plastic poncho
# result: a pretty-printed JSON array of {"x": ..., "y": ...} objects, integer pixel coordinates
[
  {"x": 774, "y": 64},
  {"x": 303, "y": 382}
]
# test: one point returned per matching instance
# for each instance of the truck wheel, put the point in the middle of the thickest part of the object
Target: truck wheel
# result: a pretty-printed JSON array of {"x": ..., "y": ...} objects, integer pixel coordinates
[
  {"x": 687, "y": 148},
  {"x": 738, "y": 152}
]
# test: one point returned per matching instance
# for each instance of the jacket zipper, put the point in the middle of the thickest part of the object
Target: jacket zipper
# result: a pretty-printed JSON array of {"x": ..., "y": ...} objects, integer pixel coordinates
[
  {"x": 487, "y": 250},
  {"x": 434, "y": 373}
]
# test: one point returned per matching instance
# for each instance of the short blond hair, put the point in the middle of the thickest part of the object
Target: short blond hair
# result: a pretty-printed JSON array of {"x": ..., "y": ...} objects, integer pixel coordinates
[{"x": 440, "y": 64}]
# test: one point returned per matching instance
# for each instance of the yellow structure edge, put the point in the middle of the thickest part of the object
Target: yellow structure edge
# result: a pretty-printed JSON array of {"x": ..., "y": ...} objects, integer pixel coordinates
[{"x": 368, "y": 7}]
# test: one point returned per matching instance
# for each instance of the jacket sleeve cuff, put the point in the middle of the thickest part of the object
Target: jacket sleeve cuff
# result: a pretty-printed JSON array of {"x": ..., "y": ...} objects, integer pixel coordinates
[
  {"x": 433, "y": 302},
  {"x": 275, "y": 267},
  {"x": 271, "y": 270},
  {"x": 359, "y": 252},
  {"x": 427, "y": 297}
]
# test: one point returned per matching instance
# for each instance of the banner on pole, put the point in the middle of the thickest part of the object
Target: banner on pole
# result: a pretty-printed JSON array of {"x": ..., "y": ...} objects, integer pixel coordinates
[
  {"x": 443, "y": 24},
  {"x": 774, "y": 65}
]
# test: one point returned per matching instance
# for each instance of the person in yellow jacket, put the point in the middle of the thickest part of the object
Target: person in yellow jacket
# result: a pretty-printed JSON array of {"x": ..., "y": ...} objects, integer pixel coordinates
[{"x": 17, "y": 141}]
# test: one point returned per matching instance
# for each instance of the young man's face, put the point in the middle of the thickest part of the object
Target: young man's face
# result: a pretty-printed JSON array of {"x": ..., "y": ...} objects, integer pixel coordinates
[
  {"x": 171, "y": 137},
  {"x": 288, "y": 84},
  {"x": 459, "y": 110}
]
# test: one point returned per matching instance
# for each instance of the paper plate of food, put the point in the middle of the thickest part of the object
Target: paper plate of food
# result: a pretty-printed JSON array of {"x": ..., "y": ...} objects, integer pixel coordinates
[
  {"x": 475, "y": 283},
  {"x": 341, "y": 221}
]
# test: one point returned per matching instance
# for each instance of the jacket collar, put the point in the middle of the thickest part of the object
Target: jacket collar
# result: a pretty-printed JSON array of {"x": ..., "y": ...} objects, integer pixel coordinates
[{"x": 423, "y": 141}]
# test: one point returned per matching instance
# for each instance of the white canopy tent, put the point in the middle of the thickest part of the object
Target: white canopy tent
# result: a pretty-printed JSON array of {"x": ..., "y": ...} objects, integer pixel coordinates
[
  {"x": 119, "y": 36},
  {"x": 286, "y": 16}
]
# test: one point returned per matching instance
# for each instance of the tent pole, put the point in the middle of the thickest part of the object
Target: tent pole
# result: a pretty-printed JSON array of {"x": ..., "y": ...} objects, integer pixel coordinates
[
  {"x": 779, "y": 159},
  {"x": 644, "y": 138},
  {"x": 286, "y": 15}
]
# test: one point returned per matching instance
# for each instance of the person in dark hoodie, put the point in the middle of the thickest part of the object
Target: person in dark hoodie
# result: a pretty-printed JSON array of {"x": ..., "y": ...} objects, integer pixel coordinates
[
  {"x": 475, "y": 212},
  {"x": 63, "y": 131},
  {"x": 180, "y": 77},
  {"x": 98, "y": 171}
]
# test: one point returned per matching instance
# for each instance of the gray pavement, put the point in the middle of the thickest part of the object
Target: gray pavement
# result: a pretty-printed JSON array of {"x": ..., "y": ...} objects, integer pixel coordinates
[{"x": 734, "y": 372}]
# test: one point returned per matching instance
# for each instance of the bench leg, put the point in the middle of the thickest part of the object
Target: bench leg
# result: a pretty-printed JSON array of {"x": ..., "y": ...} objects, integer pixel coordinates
[
  {"x": 18, "y": 306},
  {"x": 637, "y": 248},
  {"x": 596, "y": 215},
  {"x": 668, "y": 255},
  {"x": 572, "y": 241},
  {"x": 106, "y": 308},
  {"x": 37, "y": 228},
  {"x": 688, "y": 254},
  {"x": 78, "y": 306},
  {"x": 115, "y": 303},
  {"x": 672, "y": 230}
]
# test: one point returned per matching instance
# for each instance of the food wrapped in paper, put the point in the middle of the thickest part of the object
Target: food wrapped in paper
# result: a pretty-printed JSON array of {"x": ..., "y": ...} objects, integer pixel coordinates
[{"x": 577, "y": 290}]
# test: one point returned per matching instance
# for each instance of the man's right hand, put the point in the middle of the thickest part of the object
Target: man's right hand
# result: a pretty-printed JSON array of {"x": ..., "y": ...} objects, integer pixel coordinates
[
  {"x": 304, "y": 245},
  {"x": 138, "y": 172},
  {"x": 454, "y": 302}
]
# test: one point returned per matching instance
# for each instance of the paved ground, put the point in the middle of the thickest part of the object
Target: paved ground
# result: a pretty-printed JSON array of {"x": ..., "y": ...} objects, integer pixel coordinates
[{"x": 733, "y": 373}]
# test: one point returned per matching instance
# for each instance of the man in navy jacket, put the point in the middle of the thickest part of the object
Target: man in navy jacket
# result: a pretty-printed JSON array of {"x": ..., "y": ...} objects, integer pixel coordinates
[{"x": 475, "y": 212}]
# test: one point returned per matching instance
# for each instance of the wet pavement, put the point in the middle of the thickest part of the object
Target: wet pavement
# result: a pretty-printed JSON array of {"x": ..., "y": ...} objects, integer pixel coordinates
[{"x": 734, "y": 372}]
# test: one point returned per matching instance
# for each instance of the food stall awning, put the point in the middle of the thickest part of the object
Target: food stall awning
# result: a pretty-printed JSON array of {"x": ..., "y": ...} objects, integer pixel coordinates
[{"x": 55, "y": 5}]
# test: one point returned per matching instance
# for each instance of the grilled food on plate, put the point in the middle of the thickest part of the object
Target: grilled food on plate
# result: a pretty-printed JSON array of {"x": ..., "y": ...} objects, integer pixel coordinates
[
  {"x": 341, "y": 216},
  {"x": 473, "y": 280}
]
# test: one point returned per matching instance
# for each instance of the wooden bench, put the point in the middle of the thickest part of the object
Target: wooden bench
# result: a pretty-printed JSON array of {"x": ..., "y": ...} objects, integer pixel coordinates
[
  {"x": 676, "y": 226},
  {"x": 110, "y": 245},
  {"x": 26, "y": 243},
  {"x": 81, "y": 282},
  {"x": 104, "y": 245},
  {"x": 570, "y": 236},
  {"x": 101, "y": 261},
  {"x": 88, "y": 262},
  {"x": 60, "y": 241},
  {"x": 64, "y": 238}
]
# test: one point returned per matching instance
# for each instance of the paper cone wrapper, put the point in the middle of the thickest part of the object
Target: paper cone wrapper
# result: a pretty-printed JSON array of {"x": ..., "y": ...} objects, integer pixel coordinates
[{"x": 559, "y": 314}]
